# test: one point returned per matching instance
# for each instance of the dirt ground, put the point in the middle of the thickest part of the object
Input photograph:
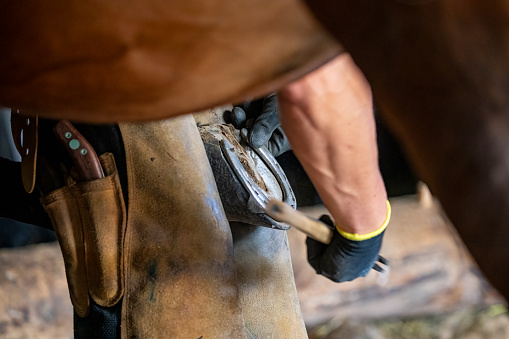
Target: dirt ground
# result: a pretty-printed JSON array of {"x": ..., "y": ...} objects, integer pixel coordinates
[{"x": 470, "y": 323}]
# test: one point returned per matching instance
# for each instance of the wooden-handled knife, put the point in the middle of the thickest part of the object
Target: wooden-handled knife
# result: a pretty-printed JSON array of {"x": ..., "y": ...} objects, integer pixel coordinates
[{"x": 85, "y": 159}]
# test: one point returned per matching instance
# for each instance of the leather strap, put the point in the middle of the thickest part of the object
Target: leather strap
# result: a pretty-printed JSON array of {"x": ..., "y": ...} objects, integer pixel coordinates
[{"x": 25, "y": 134}]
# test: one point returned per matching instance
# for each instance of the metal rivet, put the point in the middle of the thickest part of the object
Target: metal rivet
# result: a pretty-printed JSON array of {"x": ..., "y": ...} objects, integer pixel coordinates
[
  {"x": 68, "y": 135},
  {"x": 83, "y": 151},
  {"x": 74, "y": 144}
]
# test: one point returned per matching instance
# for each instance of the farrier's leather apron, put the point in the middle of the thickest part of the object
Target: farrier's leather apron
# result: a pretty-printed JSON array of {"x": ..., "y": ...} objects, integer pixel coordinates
[
  {"x": 170, "y": 258},
  {"x": 184, "y": 276},
  {"x": 180, "y": 278},
  {"x": 266, "y": 284}
]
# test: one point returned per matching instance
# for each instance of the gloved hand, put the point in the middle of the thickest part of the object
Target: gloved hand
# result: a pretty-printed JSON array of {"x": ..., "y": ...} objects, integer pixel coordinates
[
  {"x": 344, "y": 259},
  {"x": 261, "y": 118}
]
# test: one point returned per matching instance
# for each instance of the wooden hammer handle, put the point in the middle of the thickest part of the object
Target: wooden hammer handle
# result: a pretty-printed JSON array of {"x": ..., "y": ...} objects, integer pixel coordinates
[{"x": 313, "y": 228}]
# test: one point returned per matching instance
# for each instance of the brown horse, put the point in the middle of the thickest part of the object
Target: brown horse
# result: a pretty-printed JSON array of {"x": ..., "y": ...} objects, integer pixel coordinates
[
  {"x": 106, "y": 61},
  {"x": 438, "y": 70}
]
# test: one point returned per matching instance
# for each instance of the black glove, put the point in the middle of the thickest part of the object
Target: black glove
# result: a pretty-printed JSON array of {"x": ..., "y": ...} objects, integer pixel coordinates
[
  {"x": 261, "y": 118},
  {"x": 344, "y": 259}
]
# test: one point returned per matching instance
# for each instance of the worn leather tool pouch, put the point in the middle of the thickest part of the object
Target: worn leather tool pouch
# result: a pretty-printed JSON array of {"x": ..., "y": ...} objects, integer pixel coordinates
[
  {"x": 65, "y": 217},
  {"x": 89, "y": 219}
]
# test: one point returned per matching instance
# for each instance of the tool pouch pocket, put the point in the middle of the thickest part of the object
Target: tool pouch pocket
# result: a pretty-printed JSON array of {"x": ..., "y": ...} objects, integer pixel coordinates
[
  {"x": 64, "y": 214},
  {"x": 90, "y": 219}
]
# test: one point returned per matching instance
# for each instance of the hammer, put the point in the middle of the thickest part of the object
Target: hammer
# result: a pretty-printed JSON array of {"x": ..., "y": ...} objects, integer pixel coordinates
[
  {"x": 317, "y": 230},
  {"x": 313, "y": 228}
]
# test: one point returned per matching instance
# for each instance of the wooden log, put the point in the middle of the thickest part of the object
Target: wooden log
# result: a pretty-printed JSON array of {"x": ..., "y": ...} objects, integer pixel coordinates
[
  {"x": 430, "y": 271},
  {"x": 34, "y": 300}
]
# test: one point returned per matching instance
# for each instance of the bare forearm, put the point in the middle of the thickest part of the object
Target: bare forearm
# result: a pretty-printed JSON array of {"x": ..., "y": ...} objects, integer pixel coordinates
[{"x": 328, "y": 119}]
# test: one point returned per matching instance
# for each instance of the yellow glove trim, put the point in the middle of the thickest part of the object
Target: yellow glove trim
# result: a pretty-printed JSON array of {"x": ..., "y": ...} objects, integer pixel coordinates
[{"x": 361, "y": 237}]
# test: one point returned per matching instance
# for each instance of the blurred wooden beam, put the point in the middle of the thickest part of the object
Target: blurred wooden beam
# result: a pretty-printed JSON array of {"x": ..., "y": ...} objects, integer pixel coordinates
[
  {"x": 430, "y": 272},
  {"x": 34, "y": 300}
]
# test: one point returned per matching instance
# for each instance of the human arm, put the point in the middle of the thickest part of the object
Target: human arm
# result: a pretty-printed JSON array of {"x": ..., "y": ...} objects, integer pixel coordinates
[{"x": 328, "y": 118}]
